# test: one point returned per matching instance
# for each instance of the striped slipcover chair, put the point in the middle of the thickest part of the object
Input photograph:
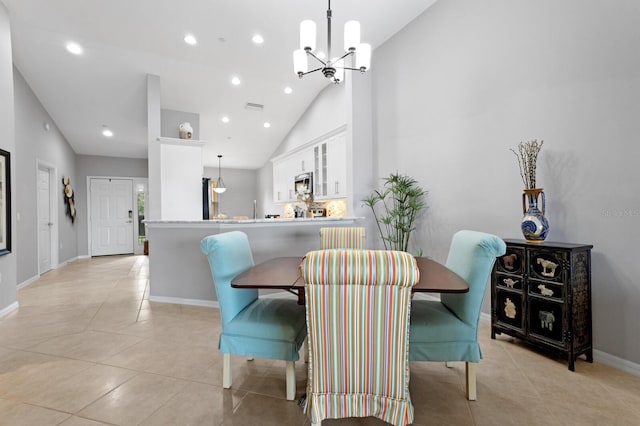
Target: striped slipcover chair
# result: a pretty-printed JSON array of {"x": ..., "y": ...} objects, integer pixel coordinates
[
  {"x": 345, "y": 238},
  {"x": 358, "y": 304}
]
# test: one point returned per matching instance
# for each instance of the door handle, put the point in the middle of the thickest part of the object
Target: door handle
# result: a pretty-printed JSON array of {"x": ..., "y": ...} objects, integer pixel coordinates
[
  {"x": 50, "y": 224},
  {"x": 130, "y": 216}
]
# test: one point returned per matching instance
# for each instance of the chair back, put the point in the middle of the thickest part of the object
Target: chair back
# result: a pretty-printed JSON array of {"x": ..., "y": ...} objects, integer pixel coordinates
[
  {"x": 472, "y": 255},
  {"x": 358, "y": 304},
  {"x": 229, "y": 254},
  {"x": 345, "y": 238}
]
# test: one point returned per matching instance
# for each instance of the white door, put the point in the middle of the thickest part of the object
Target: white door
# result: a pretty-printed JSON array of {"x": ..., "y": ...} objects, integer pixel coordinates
[
  {"x": 44, "y": 221},
  {"x": 111, "y": 216}
]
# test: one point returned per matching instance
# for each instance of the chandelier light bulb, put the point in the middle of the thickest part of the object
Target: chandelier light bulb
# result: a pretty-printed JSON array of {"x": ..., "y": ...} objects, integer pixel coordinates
[
  {"x": 300, "y": 65},
  {"x": 363, "y": 57},
  {"x": 351, "y": 35},
  {"x": 308, "y": 35}
]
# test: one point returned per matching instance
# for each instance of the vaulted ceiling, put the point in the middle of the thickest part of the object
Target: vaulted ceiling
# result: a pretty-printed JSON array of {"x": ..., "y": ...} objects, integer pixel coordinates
[{"x": 124, "y": 40}]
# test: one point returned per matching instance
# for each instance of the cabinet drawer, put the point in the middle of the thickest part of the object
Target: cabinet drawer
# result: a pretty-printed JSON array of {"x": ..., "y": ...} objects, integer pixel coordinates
[
  {"x": 512, "y": 262},
  {"x": 548, "y": 265},
  {"x": 509, "y": 308},
  {"x": 547, "y": 290},
  {"x": 513, "y": 282},
  {"x": 546, "y": 321}
]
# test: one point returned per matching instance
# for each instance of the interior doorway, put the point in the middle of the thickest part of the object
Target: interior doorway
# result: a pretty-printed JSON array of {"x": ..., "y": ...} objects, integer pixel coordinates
[
  {"x": 47, "y": 224},
  {"x": 111, "y": 216}
]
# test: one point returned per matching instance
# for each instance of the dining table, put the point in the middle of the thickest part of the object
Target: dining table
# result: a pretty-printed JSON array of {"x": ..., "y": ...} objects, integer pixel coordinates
[{"x": 283, "y": 273}]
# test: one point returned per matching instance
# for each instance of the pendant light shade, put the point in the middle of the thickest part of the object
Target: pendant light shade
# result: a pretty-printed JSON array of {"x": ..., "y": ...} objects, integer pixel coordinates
[
  {"x": 363, "y": 57},
  {"x": 220, "y": 186},
  {"x": 300, "y": 61},
  {"x": 351, "y": 35},
  {"x": 308, "y": 35}
]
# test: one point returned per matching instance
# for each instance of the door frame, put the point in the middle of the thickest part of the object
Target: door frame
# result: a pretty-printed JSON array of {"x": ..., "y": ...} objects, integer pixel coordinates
[
  {"x": 53, "y": 212},
  {"x": 133, "y": 180},
  {"x": 139, "y": 183}
]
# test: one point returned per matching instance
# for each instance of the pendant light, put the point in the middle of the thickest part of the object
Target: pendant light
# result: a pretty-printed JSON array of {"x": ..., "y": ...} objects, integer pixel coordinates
[{"x": 220, "y": 187}]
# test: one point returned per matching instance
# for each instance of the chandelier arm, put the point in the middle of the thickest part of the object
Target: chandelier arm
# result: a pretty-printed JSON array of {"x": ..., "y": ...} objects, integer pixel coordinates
[
  {"x": 310, "y": 53},
  {"x": 341, "y": 58},
  {"x": 300, "y": 74}
]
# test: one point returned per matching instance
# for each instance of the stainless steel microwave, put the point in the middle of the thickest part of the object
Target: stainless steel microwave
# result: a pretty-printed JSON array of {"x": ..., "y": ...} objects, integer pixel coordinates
[{"x": 303, "y": 183}]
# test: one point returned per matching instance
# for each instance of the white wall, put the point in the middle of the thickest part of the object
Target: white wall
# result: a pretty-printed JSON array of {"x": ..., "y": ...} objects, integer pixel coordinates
[
  {"x": 35, "y": 143},
  {"x": 466, "y": 81},
  {"x": 93, "y": 165},
  {"x": 8, "y": 267}
]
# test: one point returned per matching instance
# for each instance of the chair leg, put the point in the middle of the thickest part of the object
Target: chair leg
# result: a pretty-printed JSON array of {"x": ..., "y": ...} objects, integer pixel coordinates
[
  {"x": 226, "y": 371},
  {"x": 470, "y": 370},
  {"x": 291, "y": 380}
]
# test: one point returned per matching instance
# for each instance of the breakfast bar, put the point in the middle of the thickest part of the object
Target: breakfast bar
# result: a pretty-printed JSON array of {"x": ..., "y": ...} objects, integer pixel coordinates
[{"x": 179, "y": 272}]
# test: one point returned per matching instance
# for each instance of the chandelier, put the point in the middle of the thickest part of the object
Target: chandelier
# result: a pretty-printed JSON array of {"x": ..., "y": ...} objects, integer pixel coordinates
[{"x": 333, "y": 68}]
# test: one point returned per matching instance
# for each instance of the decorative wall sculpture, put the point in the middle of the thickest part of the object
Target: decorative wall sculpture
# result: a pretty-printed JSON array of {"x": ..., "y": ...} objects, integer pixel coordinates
[{"x": 68, "y": 198}]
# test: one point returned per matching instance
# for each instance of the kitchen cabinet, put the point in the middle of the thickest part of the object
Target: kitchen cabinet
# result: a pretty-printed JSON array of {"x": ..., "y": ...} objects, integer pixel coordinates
[
  {"x": 330, "y": 168},
  {"x": 541, "y": 293},
  {"x": 328, "y": 162},
  {"x": 337, "y": 167}
]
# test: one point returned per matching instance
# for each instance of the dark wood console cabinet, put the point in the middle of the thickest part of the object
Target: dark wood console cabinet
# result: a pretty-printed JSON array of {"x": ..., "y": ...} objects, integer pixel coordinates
[{"x": 541, "y": 292}]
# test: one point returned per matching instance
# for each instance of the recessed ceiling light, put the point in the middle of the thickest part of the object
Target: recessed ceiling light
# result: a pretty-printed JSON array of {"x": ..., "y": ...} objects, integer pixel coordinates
[
  {"x": 74, "y": 48},
  {"x": 257, "y": 39},
  {"x": 190, "y": 39},
  {"x": 266, "y": 124},
  {"x": 288, "y": 90},
  {"x": 235, "y": 81},
  {"x": 321, "y": 54},
  {"x": 225, "y": 119},
  {"x": 107, "y": 133}
]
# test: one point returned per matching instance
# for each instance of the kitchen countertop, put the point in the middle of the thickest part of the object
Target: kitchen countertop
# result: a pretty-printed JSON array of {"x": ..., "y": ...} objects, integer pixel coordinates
[{"x": 278, "y": 221}]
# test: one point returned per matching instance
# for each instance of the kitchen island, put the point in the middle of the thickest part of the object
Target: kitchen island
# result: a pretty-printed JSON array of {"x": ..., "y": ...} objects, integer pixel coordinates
[{"x": 179, "y": 272}]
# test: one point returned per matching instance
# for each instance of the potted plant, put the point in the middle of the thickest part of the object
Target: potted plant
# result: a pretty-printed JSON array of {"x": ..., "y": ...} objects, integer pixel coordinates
[{"x": 395, "y": 209}]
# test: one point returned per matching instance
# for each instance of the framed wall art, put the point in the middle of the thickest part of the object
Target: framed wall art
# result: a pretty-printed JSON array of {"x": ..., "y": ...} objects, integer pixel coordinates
[{"x": 5, "y": 202}]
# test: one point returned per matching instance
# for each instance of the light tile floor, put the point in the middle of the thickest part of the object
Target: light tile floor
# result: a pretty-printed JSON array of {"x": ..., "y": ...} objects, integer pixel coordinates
[{"x": 87, "y": 348}]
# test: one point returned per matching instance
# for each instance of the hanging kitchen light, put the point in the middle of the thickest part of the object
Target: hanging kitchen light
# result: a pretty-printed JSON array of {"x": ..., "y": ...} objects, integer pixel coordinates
[
  {"x": 333, "y": 68},
  {"x": 220, "y": 187}
]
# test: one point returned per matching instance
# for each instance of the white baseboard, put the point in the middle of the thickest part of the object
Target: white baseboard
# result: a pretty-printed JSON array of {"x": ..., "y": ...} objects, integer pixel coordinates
[
  {"x": 6, "y": 311},
  {"x": 618, "y": 363},
  {"x": 181, "y": 301},
  {"x": 27, "y": 282}
]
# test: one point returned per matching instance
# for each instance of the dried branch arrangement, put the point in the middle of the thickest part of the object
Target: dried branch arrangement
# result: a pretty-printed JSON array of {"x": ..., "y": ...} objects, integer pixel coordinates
[{"x": 527, "y": 156}]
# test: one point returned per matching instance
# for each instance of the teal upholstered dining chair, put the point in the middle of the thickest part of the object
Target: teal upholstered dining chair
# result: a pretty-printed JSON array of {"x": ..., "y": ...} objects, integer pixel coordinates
[
  {"x": 342, "y": 238},
  {"x": 252, "y": 327},
  {"x": 358, "y": 304},
  {"x": 447, "y": 330}
]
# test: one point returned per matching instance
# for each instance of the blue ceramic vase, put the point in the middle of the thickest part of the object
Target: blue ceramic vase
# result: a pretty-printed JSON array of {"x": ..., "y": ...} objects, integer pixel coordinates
[{"x": 534, "y": 225}]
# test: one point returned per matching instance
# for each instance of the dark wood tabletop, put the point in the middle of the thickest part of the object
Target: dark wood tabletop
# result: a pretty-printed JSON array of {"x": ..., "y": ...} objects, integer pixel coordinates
[{"x": 283, "y": 273}]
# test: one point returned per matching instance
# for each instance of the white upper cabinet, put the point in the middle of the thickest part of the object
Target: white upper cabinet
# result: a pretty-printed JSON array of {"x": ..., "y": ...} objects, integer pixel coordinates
[
  {"x": 328, "y": 162},
  {"x": 337, "y": 167}
]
